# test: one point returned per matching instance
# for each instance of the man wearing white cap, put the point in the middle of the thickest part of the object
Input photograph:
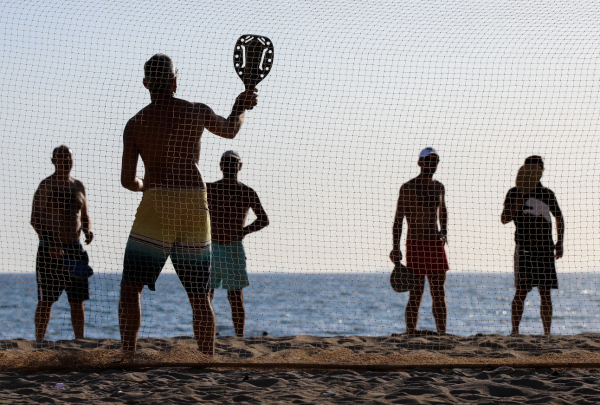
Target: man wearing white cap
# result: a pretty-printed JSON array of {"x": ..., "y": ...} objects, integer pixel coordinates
[
  {"x": 229, "y": 202},
  {"x": 421, "y": 202}
]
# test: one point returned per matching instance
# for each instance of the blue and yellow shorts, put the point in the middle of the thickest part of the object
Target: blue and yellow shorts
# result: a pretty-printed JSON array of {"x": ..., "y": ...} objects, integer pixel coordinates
[
  {"x": 175, "y": 223},
  {"x": 228, "y": 267}
]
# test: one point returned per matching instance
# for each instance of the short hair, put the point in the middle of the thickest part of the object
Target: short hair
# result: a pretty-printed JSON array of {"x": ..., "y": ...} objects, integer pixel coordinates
[
  {"x": 60, "y": 149},
  {"x": 535, "y": 160},
  {"x": 159, "y": 72}
]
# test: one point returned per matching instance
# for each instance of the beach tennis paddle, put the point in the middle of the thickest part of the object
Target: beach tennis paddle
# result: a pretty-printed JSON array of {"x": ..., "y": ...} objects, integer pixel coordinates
[
  {"x": 253, "y": 57},
  {"x": 528, "y": 178},
  {"x": 402, "y": 278}
]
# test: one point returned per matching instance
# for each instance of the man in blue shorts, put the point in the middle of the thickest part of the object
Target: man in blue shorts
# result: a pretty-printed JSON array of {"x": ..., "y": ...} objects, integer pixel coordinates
[
  {"x": 172, "y": 219},
  {"x": 535, "y": 251},
  {"x": 229, "y": 202},
  {"x": 59, "y": 216}
]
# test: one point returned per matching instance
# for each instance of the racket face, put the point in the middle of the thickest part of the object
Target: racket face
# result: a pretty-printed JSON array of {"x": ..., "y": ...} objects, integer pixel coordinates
[
  {"x": 528, "y": 178},
  {"x": 253, "y": 58}
]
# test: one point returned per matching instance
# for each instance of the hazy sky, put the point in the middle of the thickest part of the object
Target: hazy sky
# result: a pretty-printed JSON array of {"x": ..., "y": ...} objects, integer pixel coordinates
[{"x": 356, "y": 91}]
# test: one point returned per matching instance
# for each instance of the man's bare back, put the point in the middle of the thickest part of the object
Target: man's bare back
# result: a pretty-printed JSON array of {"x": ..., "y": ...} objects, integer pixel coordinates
[{"x": 166, "y": 134}]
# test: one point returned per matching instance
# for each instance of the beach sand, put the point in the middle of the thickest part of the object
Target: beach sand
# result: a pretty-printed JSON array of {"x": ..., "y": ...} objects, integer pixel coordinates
[{"x": 497, "y": 382}]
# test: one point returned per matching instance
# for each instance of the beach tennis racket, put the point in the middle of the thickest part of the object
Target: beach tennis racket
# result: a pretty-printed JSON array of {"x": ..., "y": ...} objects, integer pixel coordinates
[
  {"x": 253, "y": 59},
  {"x": 528, "y": 178},
  {"x": 402, "y": 278}
]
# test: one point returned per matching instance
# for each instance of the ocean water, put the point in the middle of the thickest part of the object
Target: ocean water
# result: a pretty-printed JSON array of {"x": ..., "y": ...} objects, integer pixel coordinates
[{"x": 325, "y": 304}]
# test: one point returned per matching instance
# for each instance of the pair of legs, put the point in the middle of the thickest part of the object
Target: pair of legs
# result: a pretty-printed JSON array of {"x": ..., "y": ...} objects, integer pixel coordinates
[
  {"x": 437, "y": 287},
  {"x": 545, "y": 308},
  {"x": 130, "y": 318},
  {"x": 42, "y": 318},
  {"x": 238, "y": 311}
]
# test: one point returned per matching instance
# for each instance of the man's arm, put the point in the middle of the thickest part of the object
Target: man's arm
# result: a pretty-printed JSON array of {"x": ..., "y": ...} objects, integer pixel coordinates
[
  {"x": 511, "y": 207},
  {"x": 396, "y": 253},
  {"x": 86, "y": 223},
  {"x": 129, "y": 180},
  {"x": 261, "y": 221},
  {"x": 443, "y": 215},
  {"x": 39, "y": 204},
  {"x": 229, "y": 128}
]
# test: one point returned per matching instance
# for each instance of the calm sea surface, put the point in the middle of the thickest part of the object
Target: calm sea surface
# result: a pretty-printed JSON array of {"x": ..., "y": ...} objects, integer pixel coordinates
[{"x": 284, "y": 304}]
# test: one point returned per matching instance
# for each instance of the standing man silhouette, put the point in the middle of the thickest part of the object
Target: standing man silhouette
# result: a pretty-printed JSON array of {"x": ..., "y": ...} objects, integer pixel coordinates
[
  {"x": 229, "y": 202},
  {"x": 421, "y": 201},
  {"x": 172, "y": 219},
  {"x": 59, "y": 216},
  {"x": 535, "y": 251}
]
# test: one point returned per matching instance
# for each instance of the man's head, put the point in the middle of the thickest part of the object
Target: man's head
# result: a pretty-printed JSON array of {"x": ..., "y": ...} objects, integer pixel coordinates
[
  {"x": 62, "y": 159},
  {"x": 428, "y": 161},
  {"x": 535, "y": 160},
  {"x": 160, "y": 75},
  {"x": 231, "y": 164}
]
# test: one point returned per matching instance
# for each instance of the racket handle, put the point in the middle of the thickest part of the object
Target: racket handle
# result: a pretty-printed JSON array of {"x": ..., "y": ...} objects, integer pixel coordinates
[{"x": 249, "y": 88}]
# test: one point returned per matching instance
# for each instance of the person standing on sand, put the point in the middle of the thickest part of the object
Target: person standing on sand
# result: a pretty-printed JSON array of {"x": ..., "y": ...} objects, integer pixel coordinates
[
  {"x": 172, "y": 219},
  {"x": 59, "y": 215},
  {"x": 535, "y": 251},
  {"x": 229, "y": 202},
  {"x": 421, "y": 201}
]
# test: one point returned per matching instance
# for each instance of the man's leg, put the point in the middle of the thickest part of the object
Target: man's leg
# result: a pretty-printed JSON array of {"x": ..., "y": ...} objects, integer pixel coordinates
[
  {"x": 517, "y": 308},
  {"x": 204, "y": 323},
  {"x": 78, "y": 318},
  {"x": 546, "y": 308},
  {"x": 130, "y": 315},
  {"x": 437, "y": 286},
  {"x": 238, "y": 312},
  {"x": 414, "y": 303},
  {"x": 42, "y": 318}
]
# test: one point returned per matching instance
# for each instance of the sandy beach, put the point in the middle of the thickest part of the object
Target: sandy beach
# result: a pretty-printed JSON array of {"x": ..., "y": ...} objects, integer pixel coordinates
[{"x": 91, "y": 373}]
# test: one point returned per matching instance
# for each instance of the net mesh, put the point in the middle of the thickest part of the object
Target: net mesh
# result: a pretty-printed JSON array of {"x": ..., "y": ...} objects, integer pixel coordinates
[{"x": 356, "y": 91}]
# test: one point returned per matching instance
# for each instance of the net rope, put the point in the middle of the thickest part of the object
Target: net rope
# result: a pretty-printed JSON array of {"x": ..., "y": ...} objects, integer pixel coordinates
[{"x": 356, "y": 91}]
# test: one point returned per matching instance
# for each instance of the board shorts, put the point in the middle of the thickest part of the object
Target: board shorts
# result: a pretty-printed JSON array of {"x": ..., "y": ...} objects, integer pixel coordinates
[
  {"x": 228, "y": 267},
  {"x": 426, "y": 257},
  {"x": 535, "y": 268},
  {"x": 170, "y": 223},
  {"x": 53, "y": 277}
]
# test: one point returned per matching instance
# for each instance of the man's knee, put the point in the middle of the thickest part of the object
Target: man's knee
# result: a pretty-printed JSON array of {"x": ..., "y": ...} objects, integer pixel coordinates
[
  {"x": 235, "y": 295},
  {"x": 130, "y": 293}
]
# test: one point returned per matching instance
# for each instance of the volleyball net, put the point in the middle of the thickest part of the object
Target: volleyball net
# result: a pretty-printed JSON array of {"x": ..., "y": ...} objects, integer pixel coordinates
[{"x": 355, "y": 93}]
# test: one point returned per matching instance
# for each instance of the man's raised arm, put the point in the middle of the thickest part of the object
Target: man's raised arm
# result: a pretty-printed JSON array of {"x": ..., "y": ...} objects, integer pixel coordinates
[
  {"x": 229, "y": 128},
  {"x": 129, "y": 180}
]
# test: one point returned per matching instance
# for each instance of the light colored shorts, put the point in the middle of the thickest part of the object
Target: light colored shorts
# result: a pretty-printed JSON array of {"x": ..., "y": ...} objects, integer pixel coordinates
[
  {"x": 228, "y": 266},
  {"x": 171, "y": 223}
]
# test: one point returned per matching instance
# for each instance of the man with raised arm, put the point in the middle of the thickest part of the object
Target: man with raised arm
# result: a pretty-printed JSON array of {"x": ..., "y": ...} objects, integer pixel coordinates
[
  {"x": 172, "y": 219},
  {"x": 421, "y": 201},
  {"x": 229, "y": 202},
  {"x": 59, "y": 215},
  {"x": 535, "y": 251}
]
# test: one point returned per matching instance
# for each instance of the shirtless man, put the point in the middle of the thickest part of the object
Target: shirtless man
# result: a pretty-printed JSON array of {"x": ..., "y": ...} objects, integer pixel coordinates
[
  {"x": 421, "y": 201},
  {"x": 229, "y": 202},
  {"x": 535, "y": 251},
  {"x": 59, "y": 215},
  {"x": 172, "y": 219}
]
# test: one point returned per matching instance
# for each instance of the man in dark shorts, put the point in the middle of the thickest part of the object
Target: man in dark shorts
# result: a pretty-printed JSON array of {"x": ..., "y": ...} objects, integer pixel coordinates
[
  {"x": 229, "y": 202},
  {"x": 59, "y": 215},
  {"x": 535, "y": 251},
  {"x": 172, "y": 219},
  {"x": 421, "y": 201}
]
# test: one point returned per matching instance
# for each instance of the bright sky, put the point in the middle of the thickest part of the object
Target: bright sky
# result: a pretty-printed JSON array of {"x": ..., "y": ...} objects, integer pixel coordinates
[{"x": 356, "y": 91}]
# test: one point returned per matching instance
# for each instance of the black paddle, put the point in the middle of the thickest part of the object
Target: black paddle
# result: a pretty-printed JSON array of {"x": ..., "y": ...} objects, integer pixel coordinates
[{"x": 253, "y": 59}]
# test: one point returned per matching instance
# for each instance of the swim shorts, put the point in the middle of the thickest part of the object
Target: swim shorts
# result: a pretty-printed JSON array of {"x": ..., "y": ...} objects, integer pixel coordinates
[
  {"x": 426, "y": 257},
  {"x": 53, "y": 277},
  {"x": 175, "y": 223},
  {"x": 535, "y": 268},
  {"x": 228, "y": 266}
]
